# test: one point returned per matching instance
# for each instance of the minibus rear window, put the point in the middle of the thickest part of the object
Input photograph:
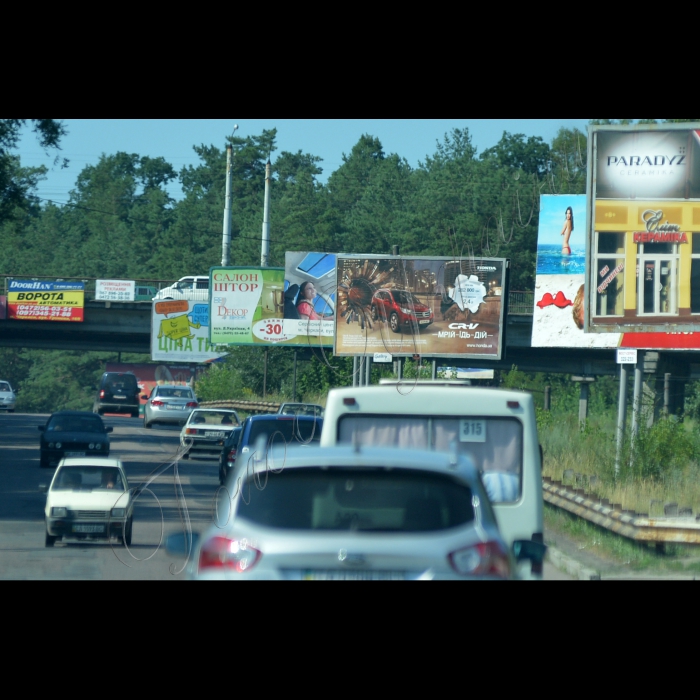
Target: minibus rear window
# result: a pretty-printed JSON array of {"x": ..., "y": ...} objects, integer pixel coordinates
[{"x": 495, "y": 445}]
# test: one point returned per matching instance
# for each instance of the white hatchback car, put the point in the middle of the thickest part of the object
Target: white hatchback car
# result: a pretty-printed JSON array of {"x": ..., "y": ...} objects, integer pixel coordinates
[
  {"x": 206, "y": 431},
  {"x": 7, "y": 397},
  {"x": 88, "y": 499},
  {"x": 350, "y": 514}
]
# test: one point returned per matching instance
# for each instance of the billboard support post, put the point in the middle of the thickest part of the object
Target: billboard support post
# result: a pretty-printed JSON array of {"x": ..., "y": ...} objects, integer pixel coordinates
[
  {"x": 294, "y": 385},
  {"x": 621, "y": 417},
  {"x": 354, "y": 370},
  {"x": 434, "y": 370},
  {"x": 636, "y": 403}
]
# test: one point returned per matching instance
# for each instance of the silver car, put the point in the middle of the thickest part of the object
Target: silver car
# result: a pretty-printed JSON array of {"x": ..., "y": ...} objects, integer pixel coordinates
[
  {"x": 206, "y": 431},
  {"x": 7, "y": 397},
  {"x": 349, "y": 514},
  {"x": 169, "y": 404}
]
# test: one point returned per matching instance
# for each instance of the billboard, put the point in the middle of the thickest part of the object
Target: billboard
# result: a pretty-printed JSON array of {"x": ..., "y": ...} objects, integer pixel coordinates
[
  {"x": 558, "y": 316},
  {"x": 31, "y": 300},
  {"x": 643, "y": 235},
  {"x": 264, "y": 305},
  {"x": 435, "y": 307},
  {"x": 115, "y": 290},
  {"x": 180, "y": 332}
]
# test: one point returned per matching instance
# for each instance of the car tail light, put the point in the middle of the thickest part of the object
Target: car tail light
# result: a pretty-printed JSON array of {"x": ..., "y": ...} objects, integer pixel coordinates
[
  {"x": 192, "y": 404},
  {"x": 157, "y": 403},
  {"x": 102, "y": 393},
  {"x": 191, "y": 431},
  {"x": 225, "y": 553},
  {"x": 483, "y": 559},
  {"x": 232, "y": 455}
]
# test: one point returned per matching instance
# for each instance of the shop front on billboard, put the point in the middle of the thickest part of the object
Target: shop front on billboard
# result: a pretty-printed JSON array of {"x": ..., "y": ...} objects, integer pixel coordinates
[{"x": 645, "y": 264}]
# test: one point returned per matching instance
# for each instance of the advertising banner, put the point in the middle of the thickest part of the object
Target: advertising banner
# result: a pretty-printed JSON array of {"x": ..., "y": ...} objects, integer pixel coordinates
[
  {"x": 643, "y": 253},
  {"x": 151, "y": 375},
  {"x": 435, "y": 307},
  {"x": 558, "y": 316},
  {"x": 180, "y": 332},
  {"x": 260, "y": 306},
  {"x": 30, "y": 300},
  {"x": 115, "y": 290}
]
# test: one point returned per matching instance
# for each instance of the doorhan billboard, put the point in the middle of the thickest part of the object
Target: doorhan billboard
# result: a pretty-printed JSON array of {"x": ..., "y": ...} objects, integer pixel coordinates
[
  {"x": 271, "y": 305},
  {"x": 643, "y": 252},
  {"x": 434, "y": 307},
  {"x": 31, "y": 300}
]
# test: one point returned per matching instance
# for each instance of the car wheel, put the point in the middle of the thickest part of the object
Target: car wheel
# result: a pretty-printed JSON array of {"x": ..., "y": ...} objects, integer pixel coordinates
[
  {"x": 185, "y": 455},
  {"x": 134, "y": 414},
  {"x": 50, "y": 540},
  {"x": 146, "y": 425},
  {"x": 126, "y": 540},
  {"x": 394, "y": 322},
  {"x": 374, "y": 313},
  {"x": 222, "y": 476}
]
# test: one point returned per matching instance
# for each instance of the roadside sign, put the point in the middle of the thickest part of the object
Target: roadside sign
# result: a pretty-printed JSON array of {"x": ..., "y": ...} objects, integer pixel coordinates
[
  {"x": 626, "y": 356},
  {"x": 114, "y": 290},
  {"x": 383, "y": 357}
]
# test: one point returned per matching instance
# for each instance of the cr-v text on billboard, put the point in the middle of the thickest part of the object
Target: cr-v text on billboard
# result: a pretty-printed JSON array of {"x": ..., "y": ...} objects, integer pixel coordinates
[
  {"x": 643, "y": 252},
  {"x": 435, "y": 307}
]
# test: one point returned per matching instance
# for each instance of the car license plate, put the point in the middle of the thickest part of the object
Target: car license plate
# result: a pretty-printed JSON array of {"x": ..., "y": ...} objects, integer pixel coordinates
[
  {"x": 119, "y": 396},
  {"x": 353, "y": 575},
  {"x": 89, "y": 529},
  {"x": 211, "y": 434},
  {"x": 424, "y": 323},
  {"x": 74, "y": 454},
  {"x": 175, "y": 408}
]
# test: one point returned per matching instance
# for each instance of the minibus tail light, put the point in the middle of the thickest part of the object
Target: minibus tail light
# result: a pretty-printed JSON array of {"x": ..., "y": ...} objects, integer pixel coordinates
[{"x": 349, "y": 402}]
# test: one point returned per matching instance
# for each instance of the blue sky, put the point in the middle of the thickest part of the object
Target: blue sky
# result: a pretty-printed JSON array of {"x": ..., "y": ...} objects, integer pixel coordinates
[{"x": 173, "y": 140}]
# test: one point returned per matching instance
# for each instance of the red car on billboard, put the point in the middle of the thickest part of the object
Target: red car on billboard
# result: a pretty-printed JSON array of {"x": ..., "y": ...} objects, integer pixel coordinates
[{"x": 401, "y": 309}]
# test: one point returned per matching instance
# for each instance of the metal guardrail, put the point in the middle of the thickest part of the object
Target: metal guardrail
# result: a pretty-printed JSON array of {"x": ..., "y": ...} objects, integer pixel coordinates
[{"x": 634, "y": 526}]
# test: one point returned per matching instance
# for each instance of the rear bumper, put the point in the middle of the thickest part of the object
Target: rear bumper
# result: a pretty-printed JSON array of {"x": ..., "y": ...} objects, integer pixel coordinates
[{"x": 66, "y": 527}]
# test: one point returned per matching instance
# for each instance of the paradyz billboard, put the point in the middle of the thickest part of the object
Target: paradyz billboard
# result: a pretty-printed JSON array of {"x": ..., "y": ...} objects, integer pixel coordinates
[
  {"x": 643, "y": 238},
  {"x": 434, "y": 307}
]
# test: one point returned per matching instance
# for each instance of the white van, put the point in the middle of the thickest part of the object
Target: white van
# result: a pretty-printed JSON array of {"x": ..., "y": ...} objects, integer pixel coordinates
[
  {"x": 495, "y": 427},
  {"x": 195, "y": 288}
]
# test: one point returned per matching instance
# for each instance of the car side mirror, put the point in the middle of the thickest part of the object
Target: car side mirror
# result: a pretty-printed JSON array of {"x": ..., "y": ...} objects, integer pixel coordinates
[
  {"x": 527, "y": 550},
  {"x": 44, "y": 488},
  {"x": 181, "y": 544},
  {"x": 109, "y": 429}
]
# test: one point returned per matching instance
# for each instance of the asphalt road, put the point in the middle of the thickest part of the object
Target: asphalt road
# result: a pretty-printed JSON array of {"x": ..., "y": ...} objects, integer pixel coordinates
[{"x": 150, "y": 459}]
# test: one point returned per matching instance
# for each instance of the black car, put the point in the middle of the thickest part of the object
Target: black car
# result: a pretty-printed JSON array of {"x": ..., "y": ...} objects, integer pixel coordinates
[
  {"x": 72, "y": 434},
  {"x": 228, "y": 453},
  {"x": 118, "y": 392},
  {"x": 273, "y": 429}
]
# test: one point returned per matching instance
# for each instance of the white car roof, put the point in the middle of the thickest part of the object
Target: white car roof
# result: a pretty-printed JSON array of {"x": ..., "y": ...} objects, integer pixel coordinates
[
  {"x": 90, "y": 462},
  {"x": 344, "y": 456}
]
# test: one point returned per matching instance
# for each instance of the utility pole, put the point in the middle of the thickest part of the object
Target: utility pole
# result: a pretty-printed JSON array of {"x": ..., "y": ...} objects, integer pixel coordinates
[
  {"x": 226, "y": 245},
  {"x": 265, "y": 251}
]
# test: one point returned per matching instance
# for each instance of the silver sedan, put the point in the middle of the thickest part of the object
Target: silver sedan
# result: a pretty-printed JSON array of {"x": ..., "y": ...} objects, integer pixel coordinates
[
  {"x": 345, "y": 514},
  {"x": 169, "y": 404}
]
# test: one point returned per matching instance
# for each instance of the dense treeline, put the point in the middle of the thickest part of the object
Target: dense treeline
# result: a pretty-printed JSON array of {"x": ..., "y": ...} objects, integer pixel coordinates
[{"x": 120, "y": 221}]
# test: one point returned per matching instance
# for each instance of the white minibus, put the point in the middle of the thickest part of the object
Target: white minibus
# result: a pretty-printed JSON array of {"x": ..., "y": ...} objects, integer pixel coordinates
[{"x": 495, "y": 427}]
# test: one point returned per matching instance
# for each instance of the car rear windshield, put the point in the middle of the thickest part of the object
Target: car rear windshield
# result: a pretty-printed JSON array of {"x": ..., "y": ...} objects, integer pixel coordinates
[
  {"x": 495, "y": 445},
  {"x": 288, "y": 430},
  {"x": 121, "y": 382},
  {"x": 88, "y": 479},
  {"x": 175, "y": 393},
  {"x": 372, "y": 500},
  {"x": 213, "y": 418},
  {"x": 76, "y": 424}
]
